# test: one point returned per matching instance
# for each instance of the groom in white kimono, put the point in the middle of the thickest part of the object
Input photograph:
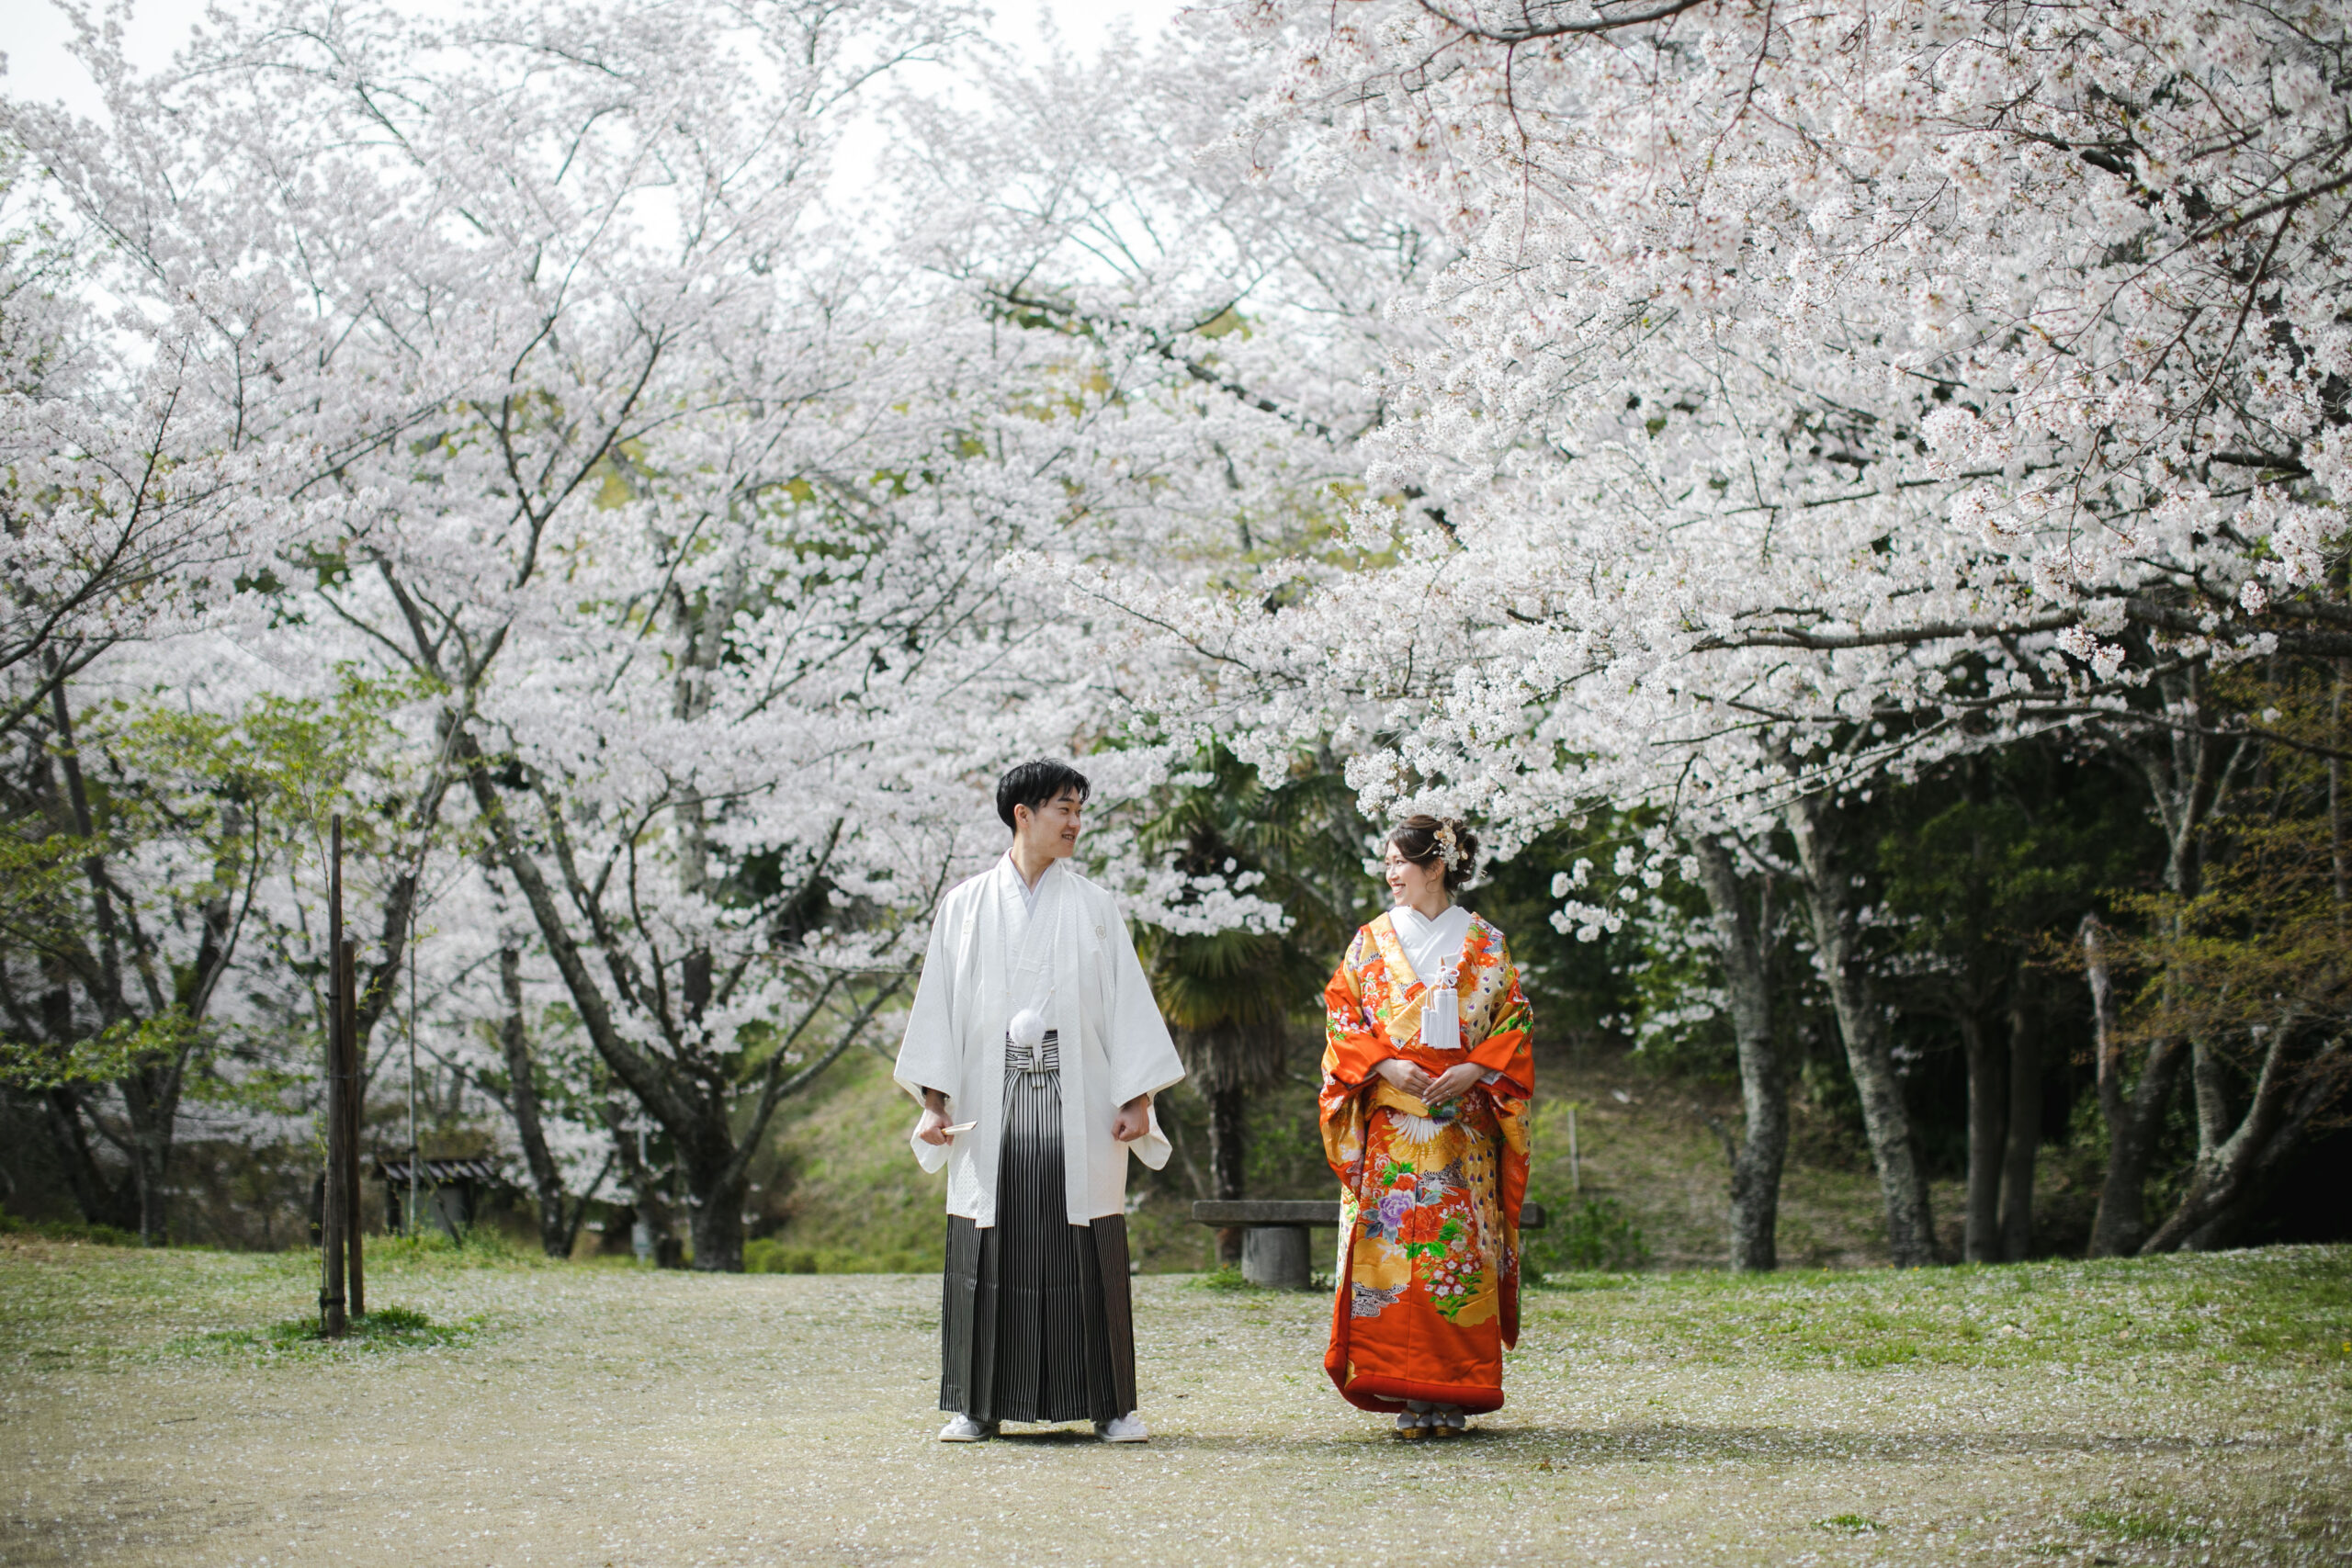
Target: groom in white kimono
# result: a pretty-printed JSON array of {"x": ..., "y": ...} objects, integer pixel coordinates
[{"x": 1035, "y": 1048}]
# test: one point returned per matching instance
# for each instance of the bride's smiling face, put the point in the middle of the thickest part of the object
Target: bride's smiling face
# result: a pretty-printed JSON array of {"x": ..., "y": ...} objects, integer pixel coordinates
[{"x": 1413, "y": 886}]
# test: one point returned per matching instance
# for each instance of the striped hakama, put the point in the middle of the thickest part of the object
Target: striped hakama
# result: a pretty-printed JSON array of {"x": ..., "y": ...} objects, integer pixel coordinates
[{"x": 1035, "y": 1324}]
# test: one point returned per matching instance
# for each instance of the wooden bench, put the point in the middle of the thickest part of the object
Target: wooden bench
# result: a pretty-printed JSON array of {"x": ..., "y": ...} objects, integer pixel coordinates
[{"x": 1274, "y": 1251}]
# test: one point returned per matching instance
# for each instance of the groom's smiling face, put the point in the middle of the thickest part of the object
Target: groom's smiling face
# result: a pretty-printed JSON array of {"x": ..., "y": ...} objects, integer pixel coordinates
[{"x": 1052, "y": 828}]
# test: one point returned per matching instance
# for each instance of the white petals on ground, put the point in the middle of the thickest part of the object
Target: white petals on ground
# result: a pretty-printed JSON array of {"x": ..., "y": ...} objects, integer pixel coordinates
[{"x": 654, "y": 1419}]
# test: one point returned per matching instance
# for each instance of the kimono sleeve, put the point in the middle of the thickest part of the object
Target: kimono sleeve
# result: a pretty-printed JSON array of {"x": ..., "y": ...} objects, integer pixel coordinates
[
  {"x": 1508, "y": 1048},
  {"x": 1353, "y": 1047},
  {"x": 931, "y": 1053},
  {"x": 1143, "y": 1056}
]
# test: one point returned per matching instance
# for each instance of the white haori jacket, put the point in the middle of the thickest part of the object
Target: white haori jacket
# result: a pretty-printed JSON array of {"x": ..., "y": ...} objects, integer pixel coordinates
[{"x": 1069, "y": 963}]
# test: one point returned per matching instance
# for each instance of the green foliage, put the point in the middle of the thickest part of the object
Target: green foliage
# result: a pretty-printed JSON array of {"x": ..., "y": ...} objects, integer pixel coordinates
[
  {"x": 386, "y": 1328},
  {"x": 1598, "y": 1235},
  {"x": 67, "y": 1230},
  {"x": 1579, "y": 990},
  {"x": 1297, "y": 843},
  {"x": 2264, "y": 939},
  {"x": 204, "y": 805},
  {"x": 474, "y": 1247},
  {"x": 2139, "y": 1524},
  {"x": 768, "y": 1256},
  {"x": 1852, "y": 1524},
  {"x": 115, "y": 1051},
  {"x": 2279, "y": 1306}
]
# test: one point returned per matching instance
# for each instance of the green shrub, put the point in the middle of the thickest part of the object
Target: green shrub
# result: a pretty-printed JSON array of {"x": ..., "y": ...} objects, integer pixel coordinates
[
  {"x": 386, "y": 1328},
  {"x": 477, "y": 1246},
  {"x": 769, "y": 1256},
  {"x": 1598, "y": 1236},
  {"x": 1224, "y": 1276},
  {"x": 68, "y": 1230}
]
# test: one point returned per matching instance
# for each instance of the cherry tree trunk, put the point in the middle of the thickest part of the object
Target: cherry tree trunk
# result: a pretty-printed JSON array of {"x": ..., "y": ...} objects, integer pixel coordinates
[
  {"x": 1742, "y": 932},
  {"x": 2237, "y": 1168},
  {"x": 2133, "y": 1114},
  {"x": 523, "y": 1104},
  {"x": 1815, "y": 824},
  {"x": 2024, "y": 1142},
  {"x": 1988, "y": 1124}
]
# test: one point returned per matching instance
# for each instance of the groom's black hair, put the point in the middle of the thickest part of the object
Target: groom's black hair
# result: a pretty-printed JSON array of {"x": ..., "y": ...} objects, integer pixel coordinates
[{"x": 1034, "y": 784}]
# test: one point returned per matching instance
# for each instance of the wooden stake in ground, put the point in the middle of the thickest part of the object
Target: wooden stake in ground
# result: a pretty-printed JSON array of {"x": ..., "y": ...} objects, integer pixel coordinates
[
  {"x": 334, "y": 1205},
  {"x": 353, "y": 1092}
]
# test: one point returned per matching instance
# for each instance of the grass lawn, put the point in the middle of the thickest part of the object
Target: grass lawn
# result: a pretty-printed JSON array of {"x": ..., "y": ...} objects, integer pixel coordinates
[{"x": 167, "y": 1407}]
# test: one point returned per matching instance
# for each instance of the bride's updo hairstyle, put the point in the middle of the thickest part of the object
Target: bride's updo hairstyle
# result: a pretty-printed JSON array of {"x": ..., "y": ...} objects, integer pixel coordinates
[{"x": 1426, "y": 842}]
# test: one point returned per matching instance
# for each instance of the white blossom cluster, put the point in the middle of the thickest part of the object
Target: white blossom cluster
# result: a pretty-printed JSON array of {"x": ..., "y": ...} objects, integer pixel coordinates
[
  {"x": 1809, "y": 393},
  {"x": 1522, "y": 407}
]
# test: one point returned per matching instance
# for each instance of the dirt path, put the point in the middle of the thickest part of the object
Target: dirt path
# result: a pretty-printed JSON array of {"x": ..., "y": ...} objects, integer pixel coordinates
[{"x": 608, "y": 1416}]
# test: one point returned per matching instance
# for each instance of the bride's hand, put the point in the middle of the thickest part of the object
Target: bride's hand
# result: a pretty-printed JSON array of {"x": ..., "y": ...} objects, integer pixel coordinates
[
  {"x": 1454, "y": 1082},
  {"x": 1404, "y": 1074}
]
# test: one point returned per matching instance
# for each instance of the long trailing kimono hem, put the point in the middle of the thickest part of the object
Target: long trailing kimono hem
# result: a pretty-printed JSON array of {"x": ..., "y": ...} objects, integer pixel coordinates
[{"x": 1428, "y": 1267}]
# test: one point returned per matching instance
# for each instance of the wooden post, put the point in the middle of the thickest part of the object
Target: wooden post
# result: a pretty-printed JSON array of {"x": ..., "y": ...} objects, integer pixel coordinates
[
  {"x": 334, "y": 1208},
  {"x": 354, "y": 1089},
  {"x": 1576, "y": 1166}
]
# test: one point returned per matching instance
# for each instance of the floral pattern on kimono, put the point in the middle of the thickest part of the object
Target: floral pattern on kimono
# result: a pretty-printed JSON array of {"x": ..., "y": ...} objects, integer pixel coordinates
[{"x": 1427, "y": 1272}]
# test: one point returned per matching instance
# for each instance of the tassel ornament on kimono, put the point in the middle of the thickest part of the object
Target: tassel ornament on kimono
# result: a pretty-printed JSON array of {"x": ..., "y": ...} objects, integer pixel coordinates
[
  {"x": 1027, "y": 1030},
  {"x": 1442, "y": 1015}
]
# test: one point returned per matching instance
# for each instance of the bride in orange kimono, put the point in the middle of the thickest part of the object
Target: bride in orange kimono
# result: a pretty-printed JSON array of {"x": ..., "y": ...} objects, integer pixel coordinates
[{"x": 1428, "y": 1077}]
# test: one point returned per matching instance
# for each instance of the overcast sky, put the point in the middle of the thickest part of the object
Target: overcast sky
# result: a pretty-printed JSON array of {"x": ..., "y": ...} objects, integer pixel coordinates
[{"x": 33, "y": 34}]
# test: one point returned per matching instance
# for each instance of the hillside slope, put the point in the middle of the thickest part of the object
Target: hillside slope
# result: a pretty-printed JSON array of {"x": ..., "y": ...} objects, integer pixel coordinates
[{"x": 842, "y": 1192}]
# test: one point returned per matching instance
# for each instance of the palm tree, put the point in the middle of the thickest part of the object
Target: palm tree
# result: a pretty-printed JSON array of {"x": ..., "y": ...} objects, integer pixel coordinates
[{"x": 1230, "y": 998}]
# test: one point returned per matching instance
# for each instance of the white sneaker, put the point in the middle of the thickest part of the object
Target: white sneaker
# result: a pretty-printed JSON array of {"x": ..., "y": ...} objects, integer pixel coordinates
[
  {"x": 1127, "y": 1429},
  {"x": 963, "y": 1430}
]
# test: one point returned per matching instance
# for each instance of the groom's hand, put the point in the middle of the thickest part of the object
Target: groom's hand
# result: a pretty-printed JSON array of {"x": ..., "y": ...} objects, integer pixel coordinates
[
  {"x": 1133, "y": 1121},
  {"x": 933, "y": 1128}
]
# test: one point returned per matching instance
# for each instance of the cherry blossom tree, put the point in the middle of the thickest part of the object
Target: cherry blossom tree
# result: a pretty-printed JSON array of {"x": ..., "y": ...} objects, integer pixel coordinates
[
  {"x": 128, "y": 507},
  {"x": 617, "y": 419},
  {"x": 1817, "y": 393}
]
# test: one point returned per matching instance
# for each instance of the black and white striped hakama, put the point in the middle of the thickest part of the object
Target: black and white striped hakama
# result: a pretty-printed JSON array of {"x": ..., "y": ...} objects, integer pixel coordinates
[{"x": 1035, "y": 1324}]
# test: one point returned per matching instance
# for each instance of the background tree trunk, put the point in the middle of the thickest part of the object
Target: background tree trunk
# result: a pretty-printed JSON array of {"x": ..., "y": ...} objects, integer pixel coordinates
[
  {"x": 555, "y": 1226},
  {"x": 2233, "y": 1170},
  {"x": 1814, "y": 823},
  {"x": 716, "y": 1182},
  {"x": 1987, "y": 1123},
  {"x": 1229, "y": 1159},
  {"x": 648, "y": 1193},
  {"x": 1763, "y": 1148},
  {"x": 2133, "y": 1116},
  {"x": 2024, "y": 1142}
]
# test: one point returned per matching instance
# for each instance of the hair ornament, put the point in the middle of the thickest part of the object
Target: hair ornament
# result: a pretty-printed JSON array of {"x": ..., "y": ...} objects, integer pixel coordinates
[{"x": 1448, "y": 848}]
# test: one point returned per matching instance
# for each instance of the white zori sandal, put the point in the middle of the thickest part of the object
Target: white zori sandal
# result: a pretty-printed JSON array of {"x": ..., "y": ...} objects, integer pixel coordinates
[
  {"x": 963, "y": 1430},
  {"x": 1127, "y": 1429}
]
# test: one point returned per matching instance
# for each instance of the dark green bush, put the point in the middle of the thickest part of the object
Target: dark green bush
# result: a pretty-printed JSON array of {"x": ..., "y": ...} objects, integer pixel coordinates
[
  {"x": 1598, "y": 1236},
  {"x": 68, "y": 1230}
]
